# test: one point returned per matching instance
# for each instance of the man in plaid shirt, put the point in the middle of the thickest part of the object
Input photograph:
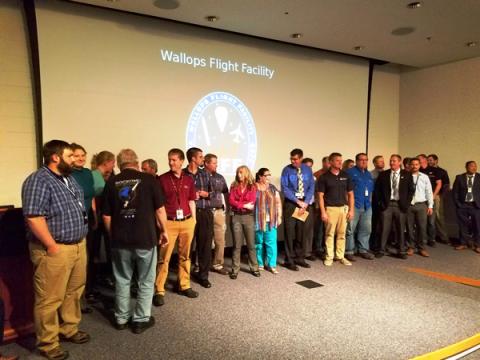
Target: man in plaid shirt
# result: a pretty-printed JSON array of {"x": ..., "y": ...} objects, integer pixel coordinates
[{"x": 55, "y": 213}]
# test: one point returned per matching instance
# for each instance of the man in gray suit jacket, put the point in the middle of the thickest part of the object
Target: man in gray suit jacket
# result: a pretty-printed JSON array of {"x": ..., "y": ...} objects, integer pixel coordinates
[{"x": 466, "y": 194}]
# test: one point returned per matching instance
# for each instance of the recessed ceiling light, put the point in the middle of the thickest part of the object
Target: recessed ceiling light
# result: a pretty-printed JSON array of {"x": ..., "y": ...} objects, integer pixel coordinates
[
  {"x": 296, "y": 35},
  {"x": 211, "y": 18},
  {"x": 415, "y": 5},
  {"x": 471, "y": 43},
  {"x": 286, "y": 12},
  {"x": 428, "y": 38},
  {"x": 166, "y": 4},
  {"x": 112, "y": 1},
  {"x": 403, "y": 30},
  {"x": 359, "y": 47}
]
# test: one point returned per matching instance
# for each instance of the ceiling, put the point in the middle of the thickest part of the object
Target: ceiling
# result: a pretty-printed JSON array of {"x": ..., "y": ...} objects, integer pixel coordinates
[{"x": 442, "y": 28}]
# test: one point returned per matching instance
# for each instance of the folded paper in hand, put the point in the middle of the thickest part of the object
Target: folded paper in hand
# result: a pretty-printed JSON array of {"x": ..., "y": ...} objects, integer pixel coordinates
[{"x": 302, "y": 217}]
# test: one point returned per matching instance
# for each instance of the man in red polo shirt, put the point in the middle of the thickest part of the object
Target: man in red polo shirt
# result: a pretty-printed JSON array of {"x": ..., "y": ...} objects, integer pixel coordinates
[{"x": 179, "y": 191}]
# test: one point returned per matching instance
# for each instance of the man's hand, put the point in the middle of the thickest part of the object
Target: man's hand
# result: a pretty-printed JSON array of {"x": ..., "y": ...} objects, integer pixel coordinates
[
  {"x": 163, "y": 241},
  {"x": 429, "y": 211},
  {"x": 203, "y": 194},
  {"x": 324, "y": 217},
  {"x": 53, "y": 249},
  {"x": 279, "y": 220},
  {"x": 350, "y": 214},
  {"x": 302, "y": 204},
  {"x": 301, "y": 211}
]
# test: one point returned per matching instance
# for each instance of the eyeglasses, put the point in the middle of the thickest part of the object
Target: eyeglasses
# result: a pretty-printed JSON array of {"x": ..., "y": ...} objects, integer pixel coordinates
[{"x": 267, "y": 175}]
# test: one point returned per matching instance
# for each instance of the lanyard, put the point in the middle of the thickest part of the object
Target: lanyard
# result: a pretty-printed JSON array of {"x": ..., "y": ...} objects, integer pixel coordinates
[
  {"x": 65, "y": 184},
  {"x": 177, "y": 190}
]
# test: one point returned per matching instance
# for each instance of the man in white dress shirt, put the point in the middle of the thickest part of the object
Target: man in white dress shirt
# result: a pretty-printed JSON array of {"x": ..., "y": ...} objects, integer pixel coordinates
[{"x": 421, "y": 208}]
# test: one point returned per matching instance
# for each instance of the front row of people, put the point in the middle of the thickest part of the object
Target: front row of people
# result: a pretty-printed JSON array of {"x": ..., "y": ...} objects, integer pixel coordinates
[{"x": 142, "y": 213}]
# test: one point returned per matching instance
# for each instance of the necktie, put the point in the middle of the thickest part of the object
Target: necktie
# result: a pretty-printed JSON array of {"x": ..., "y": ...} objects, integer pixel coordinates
[
  {"x": 300, "y": 181},
  {"x": 469, "y": 196},
  {"x": 395, "y": 185}
]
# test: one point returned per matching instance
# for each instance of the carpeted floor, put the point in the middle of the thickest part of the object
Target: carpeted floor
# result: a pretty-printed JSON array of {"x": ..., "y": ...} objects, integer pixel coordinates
[{"x": 371, "y": 310}]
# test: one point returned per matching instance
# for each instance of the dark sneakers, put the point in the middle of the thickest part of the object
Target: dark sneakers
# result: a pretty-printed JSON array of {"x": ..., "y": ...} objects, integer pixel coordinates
[
  {"x": 139, "y": 327},
  {"x": 158, "y": 300},
  {"x": 190, "y": 293},
  {"x": 366, "y": 256},
  {"x": 350, "y": 257}
]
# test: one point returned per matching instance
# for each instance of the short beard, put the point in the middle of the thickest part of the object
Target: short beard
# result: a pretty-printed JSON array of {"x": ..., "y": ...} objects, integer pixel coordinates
[{"x": 64, "y": 168}]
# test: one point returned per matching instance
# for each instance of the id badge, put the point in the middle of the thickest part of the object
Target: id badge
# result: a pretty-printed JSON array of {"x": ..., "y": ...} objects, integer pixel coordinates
[
  {"x": 366, "y": 192},
  {"x": 469, "y": 190},
  {"x": 298, "y": 195},
  {"x": 179, "y": 214},
  {"x": 267, "y": 217}
]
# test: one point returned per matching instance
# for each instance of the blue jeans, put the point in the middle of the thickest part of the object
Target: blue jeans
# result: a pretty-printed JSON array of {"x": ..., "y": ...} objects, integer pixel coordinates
[
  {"x": 269, "y": 238},
  {"x": 124, "y": 262},
  {"x": 362, "y": 225}
]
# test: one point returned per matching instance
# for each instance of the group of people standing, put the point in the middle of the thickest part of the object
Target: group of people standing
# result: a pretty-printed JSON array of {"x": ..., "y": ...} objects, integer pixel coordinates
[{"x": 333, "y": 214}]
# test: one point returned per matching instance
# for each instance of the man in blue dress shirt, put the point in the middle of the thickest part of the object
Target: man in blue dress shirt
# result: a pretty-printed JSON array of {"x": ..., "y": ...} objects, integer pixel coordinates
[
  {"x": 298, "y": 186},
  {"x": 360, "y": 226}
]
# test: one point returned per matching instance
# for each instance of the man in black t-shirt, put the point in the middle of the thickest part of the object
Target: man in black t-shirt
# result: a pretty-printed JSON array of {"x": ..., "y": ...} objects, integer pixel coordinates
[
  {"x": 336, "y": 201},
  {"x": 133, "y": 205},
  {"x": 436, "y": 181},
  {"x": 440, "y": 226}
]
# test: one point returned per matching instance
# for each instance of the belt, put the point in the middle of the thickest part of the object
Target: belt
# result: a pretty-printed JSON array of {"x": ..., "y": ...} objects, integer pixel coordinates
[
  {"x": 243, "y": 213},
  {"x": 175, "y": 219},
  {"x": 422, "y": 202},
  {"x": 218, "y": 208}
]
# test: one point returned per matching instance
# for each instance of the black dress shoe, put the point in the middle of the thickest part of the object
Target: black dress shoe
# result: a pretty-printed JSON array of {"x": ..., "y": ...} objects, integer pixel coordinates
[
  {"x": 256, "y": 273},
  {"x": 158, "y": 300},
  {"x": 431, "y": 244},
  {"x": 139, "y": 327},
  {"x": 379, "y": 255},
  {"x": 233, "y": 276},
  {"x": 205, "y": 283},
  {"x": 190, "y": 293},
  {"x": 403, "y": 256},
  {"x": 120, "y": 326},
  {"x": 86, "y": 310},
  {"x": 303, "y": 264},
  {"x": 292, "y": 267},
  {"x": 311, "y": 258}
]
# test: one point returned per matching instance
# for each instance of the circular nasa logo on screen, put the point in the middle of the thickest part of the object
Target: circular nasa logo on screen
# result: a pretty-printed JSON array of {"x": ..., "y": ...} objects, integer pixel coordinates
[{"x": 221, "y": 124}]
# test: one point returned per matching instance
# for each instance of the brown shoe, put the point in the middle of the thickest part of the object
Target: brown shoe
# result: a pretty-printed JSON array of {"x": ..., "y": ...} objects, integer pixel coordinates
[
  {"x": 410, "y": 252},
  {"x": 423, "y": 253},
  {"x": 55, "y": 354},
  {"x": 221, "y": 271},
  {"x": 460, "y": 247},
  {"x": 80, "y": 337},
  {"x": 477, "y": 250}
]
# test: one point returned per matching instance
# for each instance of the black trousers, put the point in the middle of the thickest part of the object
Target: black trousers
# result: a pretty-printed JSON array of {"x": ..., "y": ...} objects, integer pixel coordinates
[
  {"x": 203, "y": 241},
  {"x": 469, "y": 223},
  {"x": 392, "y": 216},
  {"x": 296, "y": 231},
  {"x": 376, "y": 233},
  {"x": 417, "y": 226},
  {"x": 308, "y": 230}
]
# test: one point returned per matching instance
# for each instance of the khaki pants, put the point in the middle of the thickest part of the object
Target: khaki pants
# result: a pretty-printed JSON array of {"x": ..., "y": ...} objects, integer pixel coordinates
[
  {"x": 219, "y": 228},
  {"x": 183, "y": 230},
  {"x": 336, "y": 227},
  {"x": 58, "y": 282}
]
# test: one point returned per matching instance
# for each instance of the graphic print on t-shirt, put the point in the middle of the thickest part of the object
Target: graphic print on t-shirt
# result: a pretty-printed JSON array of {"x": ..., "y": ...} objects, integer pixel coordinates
[{"x": 127, "y": 193}]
